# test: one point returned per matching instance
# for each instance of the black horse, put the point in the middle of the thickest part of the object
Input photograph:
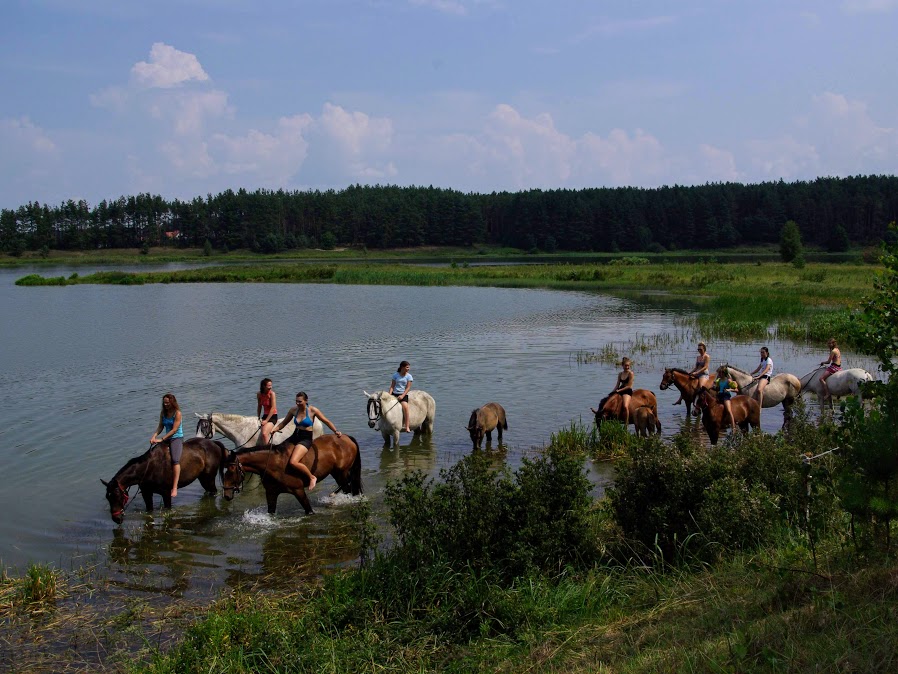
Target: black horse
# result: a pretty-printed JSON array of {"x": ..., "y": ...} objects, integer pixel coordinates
[{"x": 152, "y": 472}]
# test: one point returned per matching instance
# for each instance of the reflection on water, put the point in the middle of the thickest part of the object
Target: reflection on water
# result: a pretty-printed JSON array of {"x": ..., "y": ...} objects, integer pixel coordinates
[{"x": 85, "y": 368}]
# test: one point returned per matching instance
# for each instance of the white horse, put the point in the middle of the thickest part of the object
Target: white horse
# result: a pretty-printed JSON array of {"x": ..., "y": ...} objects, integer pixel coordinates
[
  {"x": 782, "y": 388},
  {"x": 385, "y": 414},
  {"x": 244, "y": 431},
  {"x": 841, "y": 383}
]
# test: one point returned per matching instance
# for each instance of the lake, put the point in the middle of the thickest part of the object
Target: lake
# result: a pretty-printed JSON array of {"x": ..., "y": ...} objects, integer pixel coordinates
[{"x": 84, "y": 369}]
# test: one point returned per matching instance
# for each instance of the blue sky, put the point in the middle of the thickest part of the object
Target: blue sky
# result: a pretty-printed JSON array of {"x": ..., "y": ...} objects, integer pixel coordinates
[{"x": 102, "y": 98}]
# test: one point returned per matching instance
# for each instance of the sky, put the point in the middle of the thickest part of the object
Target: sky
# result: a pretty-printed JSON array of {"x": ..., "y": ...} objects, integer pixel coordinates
[{"x": 184, "y": 98}]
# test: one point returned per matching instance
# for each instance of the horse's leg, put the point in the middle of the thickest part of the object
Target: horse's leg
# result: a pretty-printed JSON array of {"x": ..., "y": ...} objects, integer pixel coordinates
[
  {"x": 396, "y": 438},
  {"x": 499, "y": 433},
  {"x": 303, "y": 498},
  {"x": 271, "y": 496},
  {"x": 147, "y": 498},
  {"x": 489, "y": 437},
  {"x": 208, "y": 482}
]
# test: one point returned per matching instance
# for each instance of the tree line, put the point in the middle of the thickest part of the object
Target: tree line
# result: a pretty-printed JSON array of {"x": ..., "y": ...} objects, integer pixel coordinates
[{"x": 831, "y": 213}]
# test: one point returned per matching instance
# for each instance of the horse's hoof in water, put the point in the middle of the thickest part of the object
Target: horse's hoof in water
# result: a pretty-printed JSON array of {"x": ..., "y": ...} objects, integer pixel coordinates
[{"x": 679, "y": 402}]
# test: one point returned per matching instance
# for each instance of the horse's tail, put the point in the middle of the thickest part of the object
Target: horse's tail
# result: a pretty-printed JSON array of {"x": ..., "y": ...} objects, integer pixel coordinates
[{"x": 355, "y": 471}]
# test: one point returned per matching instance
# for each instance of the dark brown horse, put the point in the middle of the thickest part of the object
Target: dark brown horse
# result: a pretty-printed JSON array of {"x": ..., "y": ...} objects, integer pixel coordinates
[
  {"x": 746, "y": 412},
  {"x": 152, "y": 472},
  {"x": 687, "y": 384},
  {"x": 483, "y": 420},
  {"x": 328, "y": 455},
  {"x": 610, "y": 407}
]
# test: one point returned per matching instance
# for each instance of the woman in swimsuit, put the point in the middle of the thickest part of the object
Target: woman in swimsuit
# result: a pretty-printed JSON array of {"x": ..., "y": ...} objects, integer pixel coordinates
[
  {"x": 765, "y": 371},
  {"x": 833, "y": 365},
  {"x": 624, "y": 388},
  {"x": 303, "y": 416},
  {"x": 266, "y": 409},
  {"x": 701, "y": 371},
  {"x": 172, "y": 435}
]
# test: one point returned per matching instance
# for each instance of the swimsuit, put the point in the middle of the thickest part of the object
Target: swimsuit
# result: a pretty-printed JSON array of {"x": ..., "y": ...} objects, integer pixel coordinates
[
  {"x": 700, "y": 362},
  {"x": 303, "y": 433},
  {"x": 833, "y": 368},
  {"x": 265, "y": 402}
]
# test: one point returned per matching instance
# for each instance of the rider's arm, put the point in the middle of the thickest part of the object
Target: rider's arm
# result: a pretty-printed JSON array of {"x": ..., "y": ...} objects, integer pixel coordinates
[
  {"x": 324, "y": 420},
  {"x": 283, "y": 422}
]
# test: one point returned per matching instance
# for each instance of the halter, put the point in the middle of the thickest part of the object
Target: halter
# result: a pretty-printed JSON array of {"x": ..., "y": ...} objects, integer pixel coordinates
[
  {"x": 241, "y": 475},
  {"x": 373, "y": 406},
  {"x": 204, "y": 427},
  {"x": 126, "y": 498}
]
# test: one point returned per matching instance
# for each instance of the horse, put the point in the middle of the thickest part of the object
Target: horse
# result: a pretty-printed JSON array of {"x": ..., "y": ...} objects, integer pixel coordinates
[
  {"x": 841, "y": 383},
  {"x": 644, "y": 421},
  {"x": 610, "y": 407},
  {"x": 244, "y": 431},
  {"x": 746, "y": 412},
  {"x": 687, "y": 384},
  {"x": 483, "y": 420},
  {"x": 385, "y": 414},
  {"x": 152, "y": 472},
  {"x": 782, "y": 388},
  {"x": 338, "y": 457}
]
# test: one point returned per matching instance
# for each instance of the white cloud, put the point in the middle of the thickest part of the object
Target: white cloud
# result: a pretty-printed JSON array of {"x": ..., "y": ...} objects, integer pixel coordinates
[
  {"x": 167, "y": 68},
  {"x": 717, "y": 165},
  {"x": 869, "y": 6},
  {"x": 445, "y": 6},
  {"x": 783, "y": 157},
  {"x": 111, "y": 98},
  {"x": 271, "y": 158},
  {"x": 23, "y": 134},
  {"x": 848, "y": 125}
]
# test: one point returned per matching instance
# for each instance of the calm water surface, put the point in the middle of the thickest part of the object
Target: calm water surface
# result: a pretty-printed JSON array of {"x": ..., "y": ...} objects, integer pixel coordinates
[{"x": 84, "y": 368}]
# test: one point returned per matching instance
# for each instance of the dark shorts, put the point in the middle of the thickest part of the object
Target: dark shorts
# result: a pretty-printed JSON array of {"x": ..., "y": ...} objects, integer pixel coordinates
[
  {"x": 175, "y": 446},
  {"x": 765, "y": 376},
  {"x": 273, "y": 420},
  {"x": 403, "y": 398},
  {"x": 301, "y": 437},
  {"x": 625, "y": 392},
  {"x": 723, "y": 397}
]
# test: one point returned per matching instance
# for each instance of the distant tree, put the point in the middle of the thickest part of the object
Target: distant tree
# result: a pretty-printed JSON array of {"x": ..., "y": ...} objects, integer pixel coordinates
[
  {"x": 838, "y": 240},
  {"x": 207, "y": 248},
  {"x": 328, "y": 240},
  {"x": 790, "y": 241}
]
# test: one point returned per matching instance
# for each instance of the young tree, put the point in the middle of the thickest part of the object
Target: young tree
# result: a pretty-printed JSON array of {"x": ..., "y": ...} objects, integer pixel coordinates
[{"x": 790, "y": 241}]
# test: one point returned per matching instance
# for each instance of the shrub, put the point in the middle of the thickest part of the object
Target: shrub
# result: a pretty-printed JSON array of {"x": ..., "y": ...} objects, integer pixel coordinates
[{"x": 790, "y": 241}]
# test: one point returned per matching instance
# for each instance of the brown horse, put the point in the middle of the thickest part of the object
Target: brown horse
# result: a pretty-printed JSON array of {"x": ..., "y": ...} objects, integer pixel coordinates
[
  {"x": 610, "y": 407},
  {"x": 483, "y": 420},
  {"x": 328, "y": 455},
  {"x": 687, "y": 384},
  {"x": 746, "y": 412},
  {"x": 644, "y": 421},
  {"x": 152, "y": 472}
]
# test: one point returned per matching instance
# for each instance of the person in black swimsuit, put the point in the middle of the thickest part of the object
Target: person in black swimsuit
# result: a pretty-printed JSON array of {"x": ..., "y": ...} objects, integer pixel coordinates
[{"x": 303, "y": 416}]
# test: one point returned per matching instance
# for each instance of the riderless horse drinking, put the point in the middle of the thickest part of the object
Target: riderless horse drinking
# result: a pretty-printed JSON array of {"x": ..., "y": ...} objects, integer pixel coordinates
[{"x": 482, "y": 422}]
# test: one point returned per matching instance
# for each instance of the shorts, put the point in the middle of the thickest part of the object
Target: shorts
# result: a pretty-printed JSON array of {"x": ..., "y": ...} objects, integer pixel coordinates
[
  {"x": 832, "y": 369},
  {"x": 764, "y": 376},
  {"x": 175, "y": 446},
  {"x": 625, "y": 392},
  {"x": 723, "y": 397},
  {"x": 273, "y": 420},
  {"x": 402, "y": 397},
  {"x": 301, "y": 437}
]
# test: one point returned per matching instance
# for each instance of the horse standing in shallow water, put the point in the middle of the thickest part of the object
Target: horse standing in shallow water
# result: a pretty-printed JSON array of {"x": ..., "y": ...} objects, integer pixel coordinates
[
  {"x": 644, "y": 421},
  {"x": 687, "y": 384},
  {"x": 610, "y": 407},
  {"x": 385, "y": 414},
  {"x": 746, "y": 412},
  {"x": 842, "y": 383},
  {"x": 483, "y": 420},
  {"x": 328, "y": 455},
  {"x": 152, "y": 471},
  {"x": 782, "y": 388}
]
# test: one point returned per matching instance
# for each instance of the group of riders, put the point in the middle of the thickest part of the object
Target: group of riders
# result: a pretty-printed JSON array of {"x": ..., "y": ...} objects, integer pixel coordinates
[
  {"x": 722, "y": 385},
  {"x": 170, "y": 430}
]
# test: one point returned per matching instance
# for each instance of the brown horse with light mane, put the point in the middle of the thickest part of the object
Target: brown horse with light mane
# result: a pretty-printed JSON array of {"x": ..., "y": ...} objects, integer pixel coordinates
[
  {"x": 687, "y": 384},
  {"x": 610, "y": 407},
  {"x": 746, "y": 412},
  {"x": 483, "y": 420},
  {"x": 644, "y": 421},
  {"x": 329, "y": 455}
]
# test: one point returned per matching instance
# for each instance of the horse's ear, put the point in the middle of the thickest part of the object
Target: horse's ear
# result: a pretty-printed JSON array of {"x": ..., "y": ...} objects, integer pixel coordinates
[
  {"x": 105, "y": 483},
  {"x": 367, "y": 395}
]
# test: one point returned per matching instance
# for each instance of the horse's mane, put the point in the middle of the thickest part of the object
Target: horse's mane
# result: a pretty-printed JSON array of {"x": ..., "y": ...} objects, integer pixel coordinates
[
  {"x": 678, "y": 369},
  {"x": 473, "y": 420},
  {"x": 233, "y": 417},
  {"x": 733, "y": 367},
  {"x": 274, "y": 449}
]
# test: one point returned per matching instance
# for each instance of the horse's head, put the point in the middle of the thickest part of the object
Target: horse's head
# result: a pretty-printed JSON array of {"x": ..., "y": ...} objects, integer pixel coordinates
[
  {"x": 118, "y": 499},
  {"x": 232, "y": 475},
  {"x": 475, "y": 428},
  {"x": 702, "y": 398},
  {"x": 667, "y": 379},
  {"x": 204, "y": 427},
  {"x": 605, "y": 411},
  {"x": 374, "y": 408}
]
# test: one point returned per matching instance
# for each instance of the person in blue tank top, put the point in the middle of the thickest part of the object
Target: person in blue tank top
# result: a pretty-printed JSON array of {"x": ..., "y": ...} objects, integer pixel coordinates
[
  {"x": 303, "y": 416},
  {"x": 172, "y": 435},
  {"x": 400, "y": 385}
]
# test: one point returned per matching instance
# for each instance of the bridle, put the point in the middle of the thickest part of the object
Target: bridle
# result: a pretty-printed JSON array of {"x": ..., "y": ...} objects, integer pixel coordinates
[
  {"x": 204, "y": 427},
  {"x": 119, "y": 489},
  {"x": 241, "y": 475},
  {"x": 375, "y": 406}
]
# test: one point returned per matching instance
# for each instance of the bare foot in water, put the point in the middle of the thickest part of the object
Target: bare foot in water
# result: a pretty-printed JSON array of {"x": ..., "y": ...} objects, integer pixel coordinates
[
  {"x": 313, "y": 482},
  {"x": 174, "y": 492}
]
